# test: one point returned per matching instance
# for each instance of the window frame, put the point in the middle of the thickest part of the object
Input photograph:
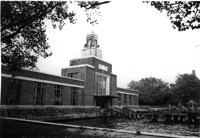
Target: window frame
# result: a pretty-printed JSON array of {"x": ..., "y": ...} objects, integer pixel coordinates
[
  {"x": 39, "y": 93},
  {"x": 104, "y": 82},
  {"x": 58, "y": 92},
  {"x": 74, "y": 96}
]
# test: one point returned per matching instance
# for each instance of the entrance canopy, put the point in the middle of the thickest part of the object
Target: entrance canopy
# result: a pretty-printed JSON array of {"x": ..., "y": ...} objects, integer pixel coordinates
[{"x": 106, "y": 96}]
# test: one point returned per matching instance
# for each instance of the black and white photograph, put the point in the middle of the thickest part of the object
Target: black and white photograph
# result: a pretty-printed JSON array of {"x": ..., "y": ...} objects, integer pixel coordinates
[{"x": 100, "y": 69}]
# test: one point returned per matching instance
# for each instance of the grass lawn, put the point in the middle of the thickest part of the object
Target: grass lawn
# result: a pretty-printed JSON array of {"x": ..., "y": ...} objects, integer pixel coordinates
[{"x": 17, "y": 129}]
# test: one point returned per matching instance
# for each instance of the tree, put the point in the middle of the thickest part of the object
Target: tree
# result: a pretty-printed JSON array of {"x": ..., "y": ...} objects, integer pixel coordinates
[
  {"x": 152, "y": 91},
  {"x": 186, "y": 88},
  {"x": 23, "y": 37},
  {"x": 183, "y": 15}
]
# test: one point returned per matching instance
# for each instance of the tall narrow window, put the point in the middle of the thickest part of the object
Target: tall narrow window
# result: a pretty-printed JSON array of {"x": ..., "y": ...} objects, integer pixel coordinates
[
  {"x": 130, "y": 99},
  {"x": 58, "y": 95},
  {"x": 39, "y": 93},
  {"x": 101, "y": 85},
  {"x": 125, "y": 99},
  {"x": 119, "y": 99},
  {"x": 74, "y": 96}
]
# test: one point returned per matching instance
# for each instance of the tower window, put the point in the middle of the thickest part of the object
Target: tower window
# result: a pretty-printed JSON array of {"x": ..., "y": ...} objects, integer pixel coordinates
[
  {"x": 101, "y": 85},
  {"x": 73, "y": 75}
]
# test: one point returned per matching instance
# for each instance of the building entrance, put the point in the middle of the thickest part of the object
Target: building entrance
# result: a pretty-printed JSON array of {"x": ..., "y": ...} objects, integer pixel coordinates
[{"x": 103, "y": 102}]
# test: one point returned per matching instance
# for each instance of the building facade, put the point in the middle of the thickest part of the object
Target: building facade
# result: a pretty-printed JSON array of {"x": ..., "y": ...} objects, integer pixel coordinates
[{"x": 87, "y": 81}]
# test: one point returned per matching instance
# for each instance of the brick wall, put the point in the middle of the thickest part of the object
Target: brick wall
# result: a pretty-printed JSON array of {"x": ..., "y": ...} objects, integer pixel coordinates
[
  {"x": 81, "y": 61},
  {"x": 49, "y": 112},
  {"x": 89, "y": 88},
  {"x": 27, "y": 93}
]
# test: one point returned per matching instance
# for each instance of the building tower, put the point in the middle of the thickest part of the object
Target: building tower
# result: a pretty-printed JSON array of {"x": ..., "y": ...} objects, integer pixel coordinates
[
  {"x": 91, "y": 48},
  {"x": 193, "y": 72}
]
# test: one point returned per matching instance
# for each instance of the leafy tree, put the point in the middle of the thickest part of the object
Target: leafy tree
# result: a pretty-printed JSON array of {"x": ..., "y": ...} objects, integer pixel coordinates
[
  {"x": 183, "y": 15},
  {"x": 152, "y": 91},
  {"x": 186, "y": 88},
  {"x": 23, "y": 37}
]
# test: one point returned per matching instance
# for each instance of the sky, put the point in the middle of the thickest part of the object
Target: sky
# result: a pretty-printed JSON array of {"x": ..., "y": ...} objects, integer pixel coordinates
[{"x": 137, "y": 39}]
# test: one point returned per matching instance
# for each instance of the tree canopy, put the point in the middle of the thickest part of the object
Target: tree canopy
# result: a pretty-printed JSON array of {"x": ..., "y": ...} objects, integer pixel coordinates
[
  {"x": 184, "y": 15},
  {"x": 152, "y": 91},
  {"x": 23, "y": 30},
  {"x": 186, "y": 88}
]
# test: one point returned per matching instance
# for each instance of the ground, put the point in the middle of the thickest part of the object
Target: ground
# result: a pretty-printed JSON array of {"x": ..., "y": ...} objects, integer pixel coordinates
[{"x": 17, "y": 129}]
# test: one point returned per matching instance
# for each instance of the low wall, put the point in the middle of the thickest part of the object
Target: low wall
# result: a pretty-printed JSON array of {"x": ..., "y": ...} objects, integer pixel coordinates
[{"x": 46, "y": 113}]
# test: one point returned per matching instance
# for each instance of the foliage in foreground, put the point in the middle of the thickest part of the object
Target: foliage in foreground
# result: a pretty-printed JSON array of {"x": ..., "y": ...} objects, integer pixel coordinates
[
  {"x": 184, "y": 15},
  {"x": 23, "y": 30}
]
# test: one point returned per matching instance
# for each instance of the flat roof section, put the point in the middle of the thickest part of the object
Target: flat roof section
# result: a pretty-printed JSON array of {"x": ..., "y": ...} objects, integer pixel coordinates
[{"x": 39, "y": 80}]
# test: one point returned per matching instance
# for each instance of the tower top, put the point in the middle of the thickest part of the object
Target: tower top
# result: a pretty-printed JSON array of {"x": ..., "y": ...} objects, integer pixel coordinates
[
  {"x": 91, "y": 40},
  {"x": 91, "y": 48}
]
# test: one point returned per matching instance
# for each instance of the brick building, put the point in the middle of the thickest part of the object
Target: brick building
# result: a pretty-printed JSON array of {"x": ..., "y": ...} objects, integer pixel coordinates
[{"x": 88, "y": 81}]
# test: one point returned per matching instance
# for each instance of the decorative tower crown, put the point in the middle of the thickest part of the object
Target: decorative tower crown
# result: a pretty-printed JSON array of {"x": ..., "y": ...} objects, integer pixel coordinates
[
  {"x": 91, "y": 48},
  {"x": 91, "y": 40}
]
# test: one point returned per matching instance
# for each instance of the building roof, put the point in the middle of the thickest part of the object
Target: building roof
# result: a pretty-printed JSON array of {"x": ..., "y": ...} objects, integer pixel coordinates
[{"x": 42, "y": 77}]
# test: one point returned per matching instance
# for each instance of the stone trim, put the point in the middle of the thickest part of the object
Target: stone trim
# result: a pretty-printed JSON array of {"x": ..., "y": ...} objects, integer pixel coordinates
[
  {"x": 82, "y": 65},
  {"x": 127, "y": 93}
]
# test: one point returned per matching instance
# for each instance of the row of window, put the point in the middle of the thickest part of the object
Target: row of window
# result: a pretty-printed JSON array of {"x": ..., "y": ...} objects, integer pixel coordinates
[
  {"x": 58, "y": 93},
  {"x": 126, "y": 96},
  {"x": 13, "y": 90}
]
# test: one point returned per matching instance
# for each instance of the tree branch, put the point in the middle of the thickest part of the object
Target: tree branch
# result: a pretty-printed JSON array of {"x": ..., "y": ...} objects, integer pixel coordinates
[
  {"x": 30, "y": 20},
  {"x": 92, "y": 6}
]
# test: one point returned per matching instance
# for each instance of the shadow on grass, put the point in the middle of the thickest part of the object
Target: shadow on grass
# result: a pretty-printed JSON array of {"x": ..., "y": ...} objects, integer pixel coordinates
[{"x": 17, "y": 129}]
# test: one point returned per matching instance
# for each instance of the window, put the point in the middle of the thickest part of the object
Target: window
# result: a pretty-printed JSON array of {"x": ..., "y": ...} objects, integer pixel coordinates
[
  {"x": 119, "y": 99},
  {"x": 125, "y": 99},
  {"x": 130, "y": 99},
  {"x": 74, "y": 96},
  {"x": 39, "y": 93},
  {"x": 135, "y": 99},
  {"x": 101, "y": 85},
  {"x": 73, "y": 75},
  {"x": 58, "y": 95}
]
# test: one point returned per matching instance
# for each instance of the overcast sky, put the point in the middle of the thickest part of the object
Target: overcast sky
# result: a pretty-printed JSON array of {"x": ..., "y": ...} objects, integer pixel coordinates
[{"x": 137, "y": 39}]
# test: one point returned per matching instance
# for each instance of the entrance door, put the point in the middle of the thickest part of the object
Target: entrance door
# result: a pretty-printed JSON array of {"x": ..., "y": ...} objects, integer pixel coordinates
[{"x": 101, "y": 102}]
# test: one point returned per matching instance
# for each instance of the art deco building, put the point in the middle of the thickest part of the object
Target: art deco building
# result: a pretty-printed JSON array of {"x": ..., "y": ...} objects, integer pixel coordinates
[{"x": 88, "y": 81}]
